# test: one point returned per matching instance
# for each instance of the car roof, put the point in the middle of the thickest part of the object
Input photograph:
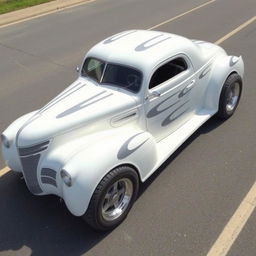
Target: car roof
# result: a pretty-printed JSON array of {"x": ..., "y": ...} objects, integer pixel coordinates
[{"x": 142, "y": 49}]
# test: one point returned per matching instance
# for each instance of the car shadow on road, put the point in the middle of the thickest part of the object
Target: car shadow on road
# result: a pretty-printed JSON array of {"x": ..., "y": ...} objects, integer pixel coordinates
[{"x": 31, "y": 225}]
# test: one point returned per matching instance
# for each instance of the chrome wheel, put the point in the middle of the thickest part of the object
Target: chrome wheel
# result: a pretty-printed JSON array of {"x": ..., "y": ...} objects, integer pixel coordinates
[
  {"x": 117, "y": 199},
  {"x": 233, "y": 97},
  {"x": 113, "y": 198}
]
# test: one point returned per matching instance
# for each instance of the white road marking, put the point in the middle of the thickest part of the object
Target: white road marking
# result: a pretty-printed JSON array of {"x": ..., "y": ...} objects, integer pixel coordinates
[
  {"x": 182, "y": 14},
  {"x": 233, "y": 32},
  {"x": 4, "y": 171},
  {"x": 235, "y": 225}
]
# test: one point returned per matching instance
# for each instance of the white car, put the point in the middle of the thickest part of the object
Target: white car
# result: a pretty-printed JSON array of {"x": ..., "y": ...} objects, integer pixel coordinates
[{"x": 139, "y": 96}]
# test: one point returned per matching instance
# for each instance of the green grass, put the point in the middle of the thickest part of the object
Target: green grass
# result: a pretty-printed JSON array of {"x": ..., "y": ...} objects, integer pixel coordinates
[{"x": 12, "y": 5}]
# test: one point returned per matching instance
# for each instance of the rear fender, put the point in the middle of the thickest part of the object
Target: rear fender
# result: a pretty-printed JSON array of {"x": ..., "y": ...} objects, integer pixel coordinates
[{"x": 221, "y": 69}]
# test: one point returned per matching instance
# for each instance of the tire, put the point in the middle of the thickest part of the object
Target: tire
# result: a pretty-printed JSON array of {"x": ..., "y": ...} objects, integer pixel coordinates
[
  {"x": 112, "y": 199},
  {"x": 230, "y": 96}
]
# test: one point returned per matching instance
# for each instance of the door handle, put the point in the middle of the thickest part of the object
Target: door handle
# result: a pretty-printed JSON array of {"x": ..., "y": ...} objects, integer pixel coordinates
[
  {"x": 191, "y": 84},
  {"x": 188, "y": 87},
  {"x": 156, "y": 94}
]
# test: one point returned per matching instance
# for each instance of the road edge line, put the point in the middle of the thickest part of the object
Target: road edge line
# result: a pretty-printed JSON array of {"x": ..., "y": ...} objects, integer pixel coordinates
[
  {"x": 236, "y": 30},
  {"x": 235, "y": 225},
  {"x": 4, "y": 171},
  {"x": 55, "y": 9},
  {"x": 182, "y": 14}
]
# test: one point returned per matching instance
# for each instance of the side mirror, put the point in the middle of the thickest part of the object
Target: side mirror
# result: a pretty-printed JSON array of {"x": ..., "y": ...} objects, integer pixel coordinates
[{"x": 77, "y": 69}]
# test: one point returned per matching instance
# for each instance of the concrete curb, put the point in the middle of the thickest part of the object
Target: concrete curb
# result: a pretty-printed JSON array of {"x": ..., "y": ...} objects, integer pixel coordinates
[{"x": 38, "y": 10}]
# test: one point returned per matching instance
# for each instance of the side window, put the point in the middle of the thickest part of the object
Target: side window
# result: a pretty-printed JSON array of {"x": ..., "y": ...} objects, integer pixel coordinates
[
  {"x": 167, "y": 71},
  {"x": 93, "y": 68}
]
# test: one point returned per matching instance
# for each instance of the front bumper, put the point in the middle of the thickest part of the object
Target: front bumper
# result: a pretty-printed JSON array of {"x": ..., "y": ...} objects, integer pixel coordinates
[{"x": 11, "y": 158}]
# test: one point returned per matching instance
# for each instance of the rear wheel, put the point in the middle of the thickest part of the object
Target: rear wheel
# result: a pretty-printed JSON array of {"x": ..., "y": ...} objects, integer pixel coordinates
[
  {"x": 112, "y": 199},
  {"x": 230, "y": 96}
]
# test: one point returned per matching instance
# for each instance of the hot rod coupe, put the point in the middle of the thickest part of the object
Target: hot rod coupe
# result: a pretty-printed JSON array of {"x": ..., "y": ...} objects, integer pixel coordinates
[{"x": 139, "y": 95}]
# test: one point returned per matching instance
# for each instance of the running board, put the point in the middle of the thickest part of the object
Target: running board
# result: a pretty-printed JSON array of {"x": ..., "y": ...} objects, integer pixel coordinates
[{"x": 167, "y": 146}]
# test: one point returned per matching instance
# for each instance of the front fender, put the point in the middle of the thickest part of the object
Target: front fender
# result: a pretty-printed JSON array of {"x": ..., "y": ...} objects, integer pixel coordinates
[
  {"x": 221, "y": 69},
  {"x": 10, "y": 154},
  {"x": 90, "y": 165}
]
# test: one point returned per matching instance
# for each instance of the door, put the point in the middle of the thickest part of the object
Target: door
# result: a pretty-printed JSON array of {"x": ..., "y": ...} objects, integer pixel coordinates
[{"x": 168, "y": 104}]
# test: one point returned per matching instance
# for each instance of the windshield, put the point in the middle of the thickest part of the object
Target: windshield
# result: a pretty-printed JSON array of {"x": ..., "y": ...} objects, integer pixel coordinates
[{"x": 113, "y": 74}]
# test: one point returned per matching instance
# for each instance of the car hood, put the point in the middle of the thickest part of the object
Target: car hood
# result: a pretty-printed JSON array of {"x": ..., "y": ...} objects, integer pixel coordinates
[{"x": 80, "y": 105}]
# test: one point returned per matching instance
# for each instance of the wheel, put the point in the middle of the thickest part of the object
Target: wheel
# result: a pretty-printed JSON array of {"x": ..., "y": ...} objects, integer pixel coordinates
[
  {"x": 112, "y": 199},
  {"x": 230, "y": 96}
]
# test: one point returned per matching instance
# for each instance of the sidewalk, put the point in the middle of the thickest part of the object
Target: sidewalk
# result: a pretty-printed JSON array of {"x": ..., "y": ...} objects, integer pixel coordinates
[{"x": 38, "y": 10}]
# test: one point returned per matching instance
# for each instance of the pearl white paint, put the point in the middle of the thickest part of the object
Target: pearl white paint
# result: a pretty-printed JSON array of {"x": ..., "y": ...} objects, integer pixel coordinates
[{"x": 87, "y": 125}]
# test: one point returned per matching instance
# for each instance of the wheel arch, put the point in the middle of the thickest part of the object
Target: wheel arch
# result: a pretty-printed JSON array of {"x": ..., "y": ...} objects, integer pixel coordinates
[
  {"x": 235, "y": 72},
  {"x": 131, "y": 165},
  {"x": 222, "y": 68},
  {"x": 87, "y": 175}
]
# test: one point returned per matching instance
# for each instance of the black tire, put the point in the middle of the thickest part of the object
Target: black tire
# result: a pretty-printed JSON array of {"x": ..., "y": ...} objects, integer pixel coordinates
[
  {"x": 233, "y": 81},
  {"x": 94, "y": 215}
]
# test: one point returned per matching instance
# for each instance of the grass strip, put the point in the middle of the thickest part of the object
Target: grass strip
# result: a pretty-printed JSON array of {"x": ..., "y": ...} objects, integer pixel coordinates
[{"x": 13, "y": 5}]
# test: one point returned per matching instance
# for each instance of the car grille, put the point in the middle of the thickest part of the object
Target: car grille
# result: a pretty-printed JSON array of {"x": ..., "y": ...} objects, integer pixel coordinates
[
  {"x": 30, "y": 157},
  {"x": 48, "y": 176}
]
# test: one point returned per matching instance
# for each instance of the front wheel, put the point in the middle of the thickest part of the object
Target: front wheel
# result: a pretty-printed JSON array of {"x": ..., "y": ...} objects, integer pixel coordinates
[
  {"x": 113, "y": 198},
  {"x": 230, "y": 96}
]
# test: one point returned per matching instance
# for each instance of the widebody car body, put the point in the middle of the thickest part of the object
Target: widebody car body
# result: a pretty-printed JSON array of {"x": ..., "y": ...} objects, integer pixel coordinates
[{"x": 139, "y": 96}]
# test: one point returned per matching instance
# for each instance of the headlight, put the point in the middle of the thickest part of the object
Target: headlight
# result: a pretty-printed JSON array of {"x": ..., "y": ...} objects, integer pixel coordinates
[
  {"x": 66, "y": 178},
  {"x": 5, "y": 141}
]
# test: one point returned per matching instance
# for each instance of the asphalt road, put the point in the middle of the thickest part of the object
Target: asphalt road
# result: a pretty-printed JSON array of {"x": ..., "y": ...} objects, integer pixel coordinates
[{"x": 184, "y": 206}]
